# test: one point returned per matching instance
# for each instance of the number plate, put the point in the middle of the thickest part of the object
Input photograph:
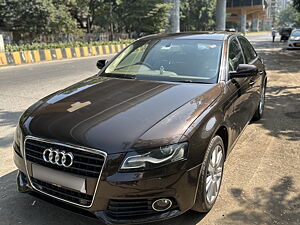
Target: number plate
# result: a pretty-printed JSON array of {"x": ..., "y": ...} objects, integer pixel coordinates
[{"x": 58, "y": 178}]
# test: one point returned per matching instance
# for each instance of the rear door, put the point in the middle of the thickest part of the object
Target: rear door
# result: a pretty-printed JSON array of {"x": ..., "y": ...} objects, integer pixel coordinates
[{"x": 252, "y": 58}]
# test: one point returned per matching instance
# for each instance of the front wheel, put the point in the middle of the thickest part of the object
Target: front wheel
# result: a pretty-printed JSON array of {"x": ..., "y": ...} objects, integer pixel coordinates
[
  {"x": 261, "y": 106},
  {"x": 211, "y": 174}
]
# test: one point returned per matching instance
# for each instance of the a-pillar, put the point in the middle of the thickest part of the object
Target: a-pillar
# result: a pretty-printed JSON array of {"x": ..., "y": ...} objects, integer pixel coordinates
[{"x": 243, "y": 18}]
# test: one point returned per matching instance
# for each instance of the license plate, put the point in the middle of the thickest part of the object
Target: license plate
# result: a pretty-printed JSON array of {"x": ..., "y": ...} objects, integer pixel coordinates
[
  {"x": 58, "y": 178},
  {"x": 297, "y": 44}
]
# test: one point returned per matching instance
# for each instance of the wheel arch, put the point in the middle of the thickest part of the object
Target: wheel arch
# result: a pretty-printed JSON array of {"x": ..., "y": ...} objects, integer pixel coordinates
[{"x": 222, "y": 131}]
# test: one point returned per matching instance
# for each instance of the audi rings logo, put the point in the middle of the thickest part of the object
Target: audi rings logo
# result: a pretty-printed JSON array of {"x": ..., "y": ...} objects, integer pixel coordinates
[{"x": 57, "y": 157}]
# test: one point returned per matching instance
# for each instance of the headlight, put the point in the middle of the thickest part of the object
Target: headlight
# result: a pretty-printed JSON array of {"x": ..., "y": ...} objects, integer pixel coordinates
[
  {"x": 292, "y": 38},
  {"x": 18, "y": 138},
  {"x": 155, "y": 157}
]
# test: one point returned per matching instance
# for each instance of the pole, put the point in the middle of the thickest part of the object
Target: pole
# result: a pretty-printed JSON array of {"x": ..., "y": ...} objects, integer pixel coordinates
[
  {"x": 174, "y": 16},
  {"x": 221, "y": 15}
]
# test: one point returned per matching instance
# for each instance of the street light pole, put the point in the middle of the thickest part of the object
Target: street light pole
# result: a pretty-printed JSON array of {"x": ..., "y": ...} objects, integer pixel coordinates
[
  {"x": 221, "y": 15},
  {"x": 174, "y": 16}
]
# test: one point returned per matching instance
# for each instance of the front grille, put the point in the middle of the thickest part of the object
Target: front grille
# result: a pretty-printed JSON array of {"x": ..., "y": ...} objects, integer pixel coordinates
[
  {"x": 85, "y": 163},
  {"x": 132, "y": 209},
  {"x": 62, "y": 193}
]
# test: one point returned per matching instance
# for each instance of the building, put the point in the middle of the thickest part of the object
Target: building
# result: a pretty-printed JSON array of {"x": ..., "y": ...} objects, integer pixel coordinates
[{"x": 252, "y": 14}]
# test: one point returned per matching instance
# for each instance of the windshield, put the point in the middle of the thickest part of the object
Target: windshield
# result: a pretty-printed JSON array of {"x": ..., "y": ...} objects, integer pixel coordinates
[
  {"x": 169, "y": 60},
  {"x": 296, "y": 33}
]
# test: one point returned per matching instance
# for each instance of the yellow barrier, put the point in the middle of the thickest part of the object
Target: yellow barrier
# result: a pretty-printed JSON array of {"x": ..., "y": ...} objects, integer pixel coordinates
[
  {"x": 119, "y": 48},
  {"x": 93, "y": 50},
  {"x": 107, "y": 50},
  {"x": 85, "y": 51},
  {"x": 113, "y": 49},
  {"x": 17, "y": 58},
  {"x": 3, "y": 60},
  {"x": 48, "y": 56},
  {"x": 36, "y": 56},
  {"x": 68, "y": 53},
  {"x": 28, "y": 57},
  {"x": 77, "y": 52},
  {"x": 58, "y": 53},
  {"x": 100, "y": 50}
]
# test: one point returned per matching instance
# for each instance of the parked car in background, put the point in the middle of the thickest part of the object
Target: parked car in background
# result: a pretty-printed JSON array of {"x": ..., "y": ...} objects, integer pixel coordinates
[
  {"x": 147, "y": 137},
  {"x": 294, "y": 40},
  {"x": 285, "y": 33}
]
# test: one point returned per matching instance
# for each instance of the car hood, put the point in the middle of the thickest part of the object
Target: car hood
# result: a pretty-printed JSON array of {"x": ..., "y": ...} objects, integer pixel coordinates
[{"x": 112, "y": 114}]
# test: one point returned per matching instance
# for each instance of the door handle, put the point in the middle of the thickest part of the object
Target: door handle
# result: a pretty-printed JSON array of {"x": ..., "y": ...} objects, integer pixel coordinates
[
  {"x": 252, "y": 82},
  {"x": 261, "y": 72}
]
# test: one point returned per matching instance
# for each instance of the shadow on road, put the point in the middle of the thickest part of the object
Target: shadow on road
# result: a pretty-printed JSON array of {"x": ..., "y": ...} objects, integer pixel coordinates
[
  {"x": 18, "y": 208},
  {"x": 277, "y": 205},
  {"x": 277, "y": 57},
  {"x": 282, "y": 112},
  {"x": 8, "y": 119}
]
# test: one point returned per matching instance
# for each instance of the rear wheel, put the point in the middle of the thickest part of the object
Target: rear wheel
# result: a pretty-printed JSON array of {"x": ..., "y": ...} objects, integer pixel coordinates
[{"x": 211, "y": 174}]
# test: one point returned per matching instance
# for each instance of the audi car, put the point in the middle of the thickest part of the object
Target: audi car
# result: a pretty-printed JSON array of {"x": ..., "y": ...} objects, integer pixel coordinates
[
  {"x": 294, "y": 40},
  {"x": 146, "y": 138}
]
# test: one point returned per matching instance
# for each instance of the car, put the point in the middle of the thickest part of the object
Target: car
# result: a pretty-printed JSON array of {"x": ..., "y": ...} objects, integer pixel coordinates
[
  {"x": 294, "y": 40},
  {"x": 146, "y": 138}
]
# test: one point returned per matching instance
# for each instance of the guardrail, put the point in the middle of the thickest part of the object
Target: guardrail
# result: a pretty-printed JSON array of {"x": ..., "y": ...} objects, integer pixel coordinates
[{"x": 32, "y": 56}]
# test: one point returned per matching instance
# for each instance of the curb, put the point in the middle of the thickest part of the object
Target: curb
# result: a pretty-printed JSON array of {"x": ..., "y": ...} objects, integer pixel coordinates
[{"x": 32, "y": 56}]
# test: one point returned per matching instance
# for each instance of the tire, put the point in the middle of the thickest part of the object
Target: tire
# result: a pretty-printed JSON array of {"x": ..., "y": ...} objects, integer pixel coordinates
[
  {"x": 204, "y": 200},
  {"x": 261, "y": 106}
]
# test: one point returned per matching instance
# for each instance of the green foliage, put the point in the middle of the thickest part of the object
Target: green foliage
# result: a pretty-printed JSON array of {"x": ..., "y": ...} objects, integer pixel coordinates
[
  {"x": 289, "y": 16},
  {"x": 30, "y": 18},
  {"x": 198, "y": 15},
  {"x": 39, "y": 46},
  {"x": 148, "y": 17},
  {"x": 297, "y": 5}
]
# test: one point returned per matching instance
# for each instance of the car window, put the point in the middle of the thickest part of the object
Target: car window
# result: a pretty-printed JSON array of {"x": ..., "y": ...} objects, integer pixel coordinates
[
  {"x": 248, "y": 50},
  {"x": 296, "y": 33},
  {"x": 235, "y": 55},
  {"x": 169, "y": 60}
]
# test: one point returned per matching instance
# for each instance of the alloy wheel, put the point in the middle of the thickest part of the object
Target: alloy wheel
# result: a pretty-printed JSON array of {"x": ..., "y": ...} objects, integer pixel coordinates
[
  {"x": 214, "y": 174},
  {"x": 262, "y": 100}
]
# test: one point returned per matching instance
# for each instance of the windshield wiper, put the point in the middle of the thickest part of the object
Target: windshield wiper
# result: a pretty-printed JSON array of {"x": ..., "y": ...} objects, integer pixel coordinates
[
  {"x": 123, "y": 76},
  {"x": 190, "y": 81}
]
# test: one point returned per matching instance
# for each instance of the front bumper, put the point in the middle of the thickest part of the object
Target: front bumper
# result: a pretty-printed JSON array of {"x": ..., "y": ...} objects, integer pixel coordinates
[
  {"x": 125, "y": 198},
  {"x": 294, "y": 44}
]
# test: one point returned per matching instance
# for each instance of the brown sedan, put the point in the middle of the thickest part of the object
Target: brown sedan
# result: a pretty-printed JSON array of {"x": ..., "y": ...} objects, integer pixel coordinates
[{"x": 146, "y": 138}]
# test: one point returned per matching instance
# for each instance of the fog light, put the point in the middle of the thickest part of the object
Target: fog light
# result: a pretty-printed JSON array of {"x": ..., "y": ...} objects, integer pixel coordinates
[{"x": 162, "y": 204}]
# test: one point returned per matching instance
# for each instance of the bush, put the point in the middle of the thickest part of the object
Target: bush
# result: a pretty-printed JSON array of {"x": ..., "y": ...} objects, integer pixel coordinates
[{"x": 39, "y": 46}]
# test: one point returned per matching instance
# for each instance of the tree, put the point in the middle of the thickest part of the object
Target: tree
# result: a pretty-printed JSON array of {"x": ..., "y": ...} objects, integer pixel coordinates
[
  {"x": 297, "y": 5},
  {"x": 30, "y": 18},
  {"x": 289, "y": 16},
  {"x": 149, "y": 16},
  {"x": 198, "y": 15}
]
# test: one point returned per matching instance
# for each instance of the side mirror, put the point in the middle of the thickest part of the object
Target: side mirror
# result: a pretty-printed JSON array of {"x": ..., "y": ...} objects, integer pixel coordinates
[
  {"x": 244, "y": 70},
  {"x": 101, "y": 63}
]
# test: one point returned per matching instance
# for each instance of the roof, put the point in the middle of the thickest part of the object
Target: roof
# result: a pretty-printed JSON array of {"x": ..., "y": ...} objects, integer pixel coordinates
[{"x": 211, "y": 35}]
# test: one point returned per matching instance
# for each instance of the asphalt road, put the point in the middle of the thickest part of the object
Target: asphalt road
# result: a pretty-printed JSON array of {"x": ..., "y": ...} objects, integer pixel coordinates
[{"x": 261, "y": 182}]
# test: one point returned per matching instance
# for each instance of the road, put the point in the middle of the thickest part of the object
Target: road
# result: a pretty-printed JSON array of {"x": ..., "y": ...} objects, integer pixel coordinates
[{"x": 261, "y": 182}]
